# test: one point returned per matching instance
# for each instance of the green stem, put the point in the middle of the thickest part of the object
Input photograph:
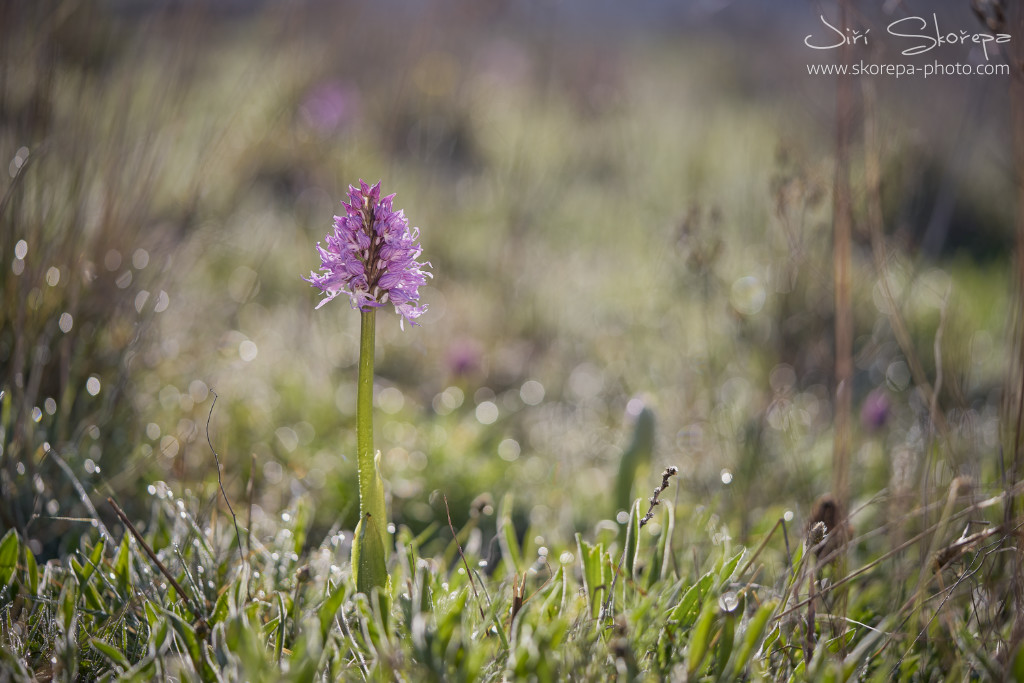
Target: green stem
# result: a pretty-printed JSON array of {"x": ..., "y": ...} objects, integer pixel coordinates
[
  {"x": 368, "y": 556},
  {"x": 364, "y": 412}
]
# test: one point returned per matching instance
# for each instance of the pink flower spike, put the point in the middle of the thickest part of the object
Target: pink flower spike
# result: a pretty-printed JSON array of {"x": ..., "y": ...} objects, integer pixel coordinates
[{"x": 371, "y": 256}]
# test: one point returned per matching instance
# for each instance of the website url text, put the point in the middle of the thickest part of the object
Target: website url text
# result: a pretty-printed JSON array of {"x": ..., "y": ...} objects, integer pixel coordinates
[{"x": 898, "y": 70}]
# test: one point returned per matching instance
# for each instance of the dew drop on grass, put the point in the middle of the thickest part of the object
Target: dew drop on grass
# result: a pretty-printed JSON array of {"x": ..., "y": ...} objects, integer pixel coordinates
[
  {"x": 37, "y": 414},
  {"x": 586, "y": 381},
  {"x": 566, "y": 558},
  {"x": 50, "y": 406},
  {"x": 726, "y": 477},
  {"x": 729, "y": 601},
  {"x": 162, "y": 302},
  {"x": 634, "y": 407},
  {"x": 140, "y": 259},
  {"x": 898, "y": 375},
  {"x": 21, "y": 250},
  {"x": 390, "y": 400},
  {"x": 487, "y": 413},
  {"x": 17, "y": 162},
  {"x": 198, "y": 390},
  {"x": 66, "y": 322},
  {"x": 53, "y": 276},
  {"x": 391, "y": 528},
  {"x": 140, "y": 300},
  {"x": 532, "y": 392},
  {"x": 288, "y": 438},
  {"x": 151, "y": 490},
  {"x": 92, "y": 385},
  {"x": 747, "y": 295},
  {"x": 448, "y": 400},
  {"x": 168, "y": 448},
  {"x": 247, "y": 350},
  {"x": 18, "y": 267},
  {"x": 509, "y": 450}
]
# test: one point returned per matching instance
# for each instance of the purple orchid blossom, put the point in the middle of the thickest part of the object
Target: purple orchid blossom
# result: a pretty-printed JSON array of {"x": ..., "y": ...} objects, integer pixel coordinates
[{"x": 372, "y": 255}]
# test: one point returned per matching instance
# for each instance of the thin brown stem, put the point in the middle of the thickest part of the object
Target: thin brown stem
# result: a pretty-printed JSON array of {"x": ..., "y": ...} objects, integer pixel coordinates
[
  {"x": 842, "y": 226},
  {"x": 469, "y": 574},
  {"x": 653, "y": 501},
  {"x": 220, "y": 479},
  {"x": 193, "y": 607}
]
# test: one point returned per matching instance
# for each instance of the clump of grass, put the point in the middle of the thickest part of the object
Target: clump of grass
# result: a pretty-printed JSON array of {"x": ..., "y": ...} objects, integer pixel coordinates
[{"x": 174, "y": 598}]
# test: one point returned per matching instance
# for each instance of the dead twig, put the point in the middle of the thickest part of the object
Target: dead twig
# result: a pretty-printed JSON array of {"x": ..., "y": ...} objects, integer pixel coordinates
[
  {"x": 671, "y": 471},
  {"x": 203, "y": 627},
  {"x": 249, "y": 489},
  {"x": 220, "y": 479},
  {"x": 665, "y": 476},
  {"x": 469, "y": 574}
]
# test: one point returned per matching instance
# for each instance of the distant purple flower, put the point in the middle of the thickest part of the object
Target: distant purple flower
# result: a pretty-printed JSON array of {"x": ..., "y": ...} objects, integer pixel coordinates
[
  {"x": 329, "y": 106},
  {"x": 874, "y": 413},
  {"x": 372, "y": 255},
  {"x": 464, "y": 357}
]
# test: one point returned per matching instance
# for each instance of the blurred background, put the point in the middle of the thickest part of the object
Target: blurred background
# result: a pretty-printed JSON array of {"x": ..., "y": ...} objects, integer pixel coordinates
[{"x": 628, "y": 212}]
